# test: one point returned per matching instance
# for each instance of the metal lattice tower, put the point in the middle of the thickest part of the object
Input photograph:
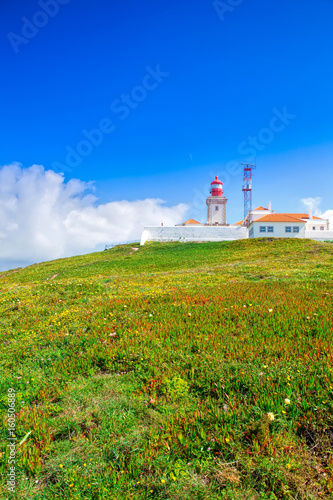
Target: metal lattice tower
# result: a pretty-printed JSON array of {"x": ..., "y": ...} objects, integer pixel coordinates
[{"x": 247, "y": 188}]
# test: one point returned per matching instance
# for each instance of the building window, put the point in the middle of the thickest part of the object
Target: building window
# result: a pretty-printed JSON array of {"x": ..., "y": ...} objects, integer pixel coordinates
[
  {"x": 262, "y": 229},
  {"x": 296, "y": 229},
  {"x": 322, "y": 228},
  {"x": 288, "y": 229},
  {"x": 313, "y": 228},
  {"x": 270, "y": 229},
  {"x": 216, "y": 208}
]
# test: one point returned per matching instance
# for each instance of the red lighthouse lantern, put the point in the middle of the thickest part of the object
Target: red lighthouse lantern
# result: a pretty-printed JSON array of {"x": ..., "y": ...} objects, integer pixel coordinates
[{"x": 216, "y": 188}]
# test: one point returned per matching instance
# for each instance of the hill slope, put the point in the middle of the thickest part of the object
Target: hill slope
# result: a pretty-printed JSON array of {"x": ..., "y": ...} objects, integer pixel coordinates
[{"x": 178, "y": 370}]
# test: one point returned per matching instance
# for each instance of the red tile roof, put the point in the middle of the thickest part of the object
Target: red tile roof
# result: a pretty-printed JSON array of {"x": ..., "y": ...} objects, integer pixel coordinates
[
  {"x": 279, "y": 218},
  {"x": 282, "y": 217},
  {"x": 191, "y": 221},
  {"x": 304, "y": 216},
  {"x": 261, "y": 208},
  {"x": 238, "y": 223}
]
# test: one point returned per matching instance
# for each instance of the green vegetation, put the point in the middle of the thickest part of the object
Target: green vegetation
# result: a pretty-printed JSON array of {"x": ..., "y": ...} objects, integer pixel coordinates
[{"x": 177, "y": 371}]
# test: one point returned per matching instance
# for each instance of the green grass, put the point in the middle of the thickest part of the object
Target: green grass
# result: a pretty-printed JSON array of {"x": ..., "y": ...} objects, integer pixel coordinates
[{"x": 164, "y": 373}]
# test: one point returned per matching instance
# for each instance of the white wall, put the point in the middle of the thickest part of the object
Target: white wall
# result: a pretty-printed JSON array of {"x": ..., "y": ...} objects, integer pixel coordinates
[
  {"x": 257, "y": 214},
  {"x": 279, "y": 230},
  {"x": 190, "y": 233},
  {"x": 319, "y": 235},
  {"x": 317, "y": 224},
  {"x": 220, "y": 233}
]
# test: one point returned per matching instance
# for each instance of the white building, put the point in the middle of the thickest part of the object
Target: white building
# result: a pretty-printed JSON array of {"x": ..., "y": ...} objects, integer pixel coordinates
[{"x": 290, "y": 225}]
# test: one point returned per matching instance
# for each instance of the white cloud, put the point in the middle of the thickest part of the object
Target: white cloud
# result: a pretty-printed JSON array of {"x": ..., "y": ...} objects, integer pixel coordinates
[
  {"x": 43, "y": 217},
  {"x": 328, "y": 214},
  {"x": 314, "y": 204}
]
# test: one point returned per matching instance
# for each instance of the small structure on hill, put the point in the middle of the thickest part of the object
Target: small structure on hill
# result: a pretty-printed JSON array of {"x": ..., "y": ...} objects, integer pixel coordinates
[
  {"x": 288, "y": 225},
  {"x": 258, "y": 222},
  {"x": 216, "y": 204}
]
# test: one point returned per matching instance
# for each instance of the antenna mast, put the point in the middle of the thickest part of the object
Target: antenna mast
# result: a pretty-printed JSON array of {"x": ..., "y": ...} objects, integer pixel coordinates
[{"x": 247, "y": 188}]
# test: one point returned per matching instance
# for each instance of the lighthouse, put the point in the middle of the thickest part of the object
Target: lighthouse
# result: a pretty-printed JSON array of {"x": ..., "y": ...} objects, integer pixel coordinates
[{"x": 216, "y": 204}]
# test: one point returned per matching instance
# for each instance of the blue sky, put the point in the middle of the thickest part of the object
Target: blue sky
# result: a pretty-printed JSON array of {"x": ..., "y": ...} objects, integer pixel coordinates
[{"x": 221, "y": 79}]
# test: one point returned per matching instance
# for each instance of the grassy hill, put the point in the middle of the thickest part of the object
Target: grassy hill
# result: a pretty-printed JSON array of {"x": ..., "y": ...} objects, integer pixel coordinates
[{"x": 171, "y": 371}]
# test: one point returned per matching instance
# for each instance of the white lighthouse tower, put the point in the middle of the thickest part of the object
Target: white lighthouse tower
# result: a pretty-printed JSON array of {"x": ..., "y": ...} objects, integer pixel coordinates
[{"x": 216, "y": 205}]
